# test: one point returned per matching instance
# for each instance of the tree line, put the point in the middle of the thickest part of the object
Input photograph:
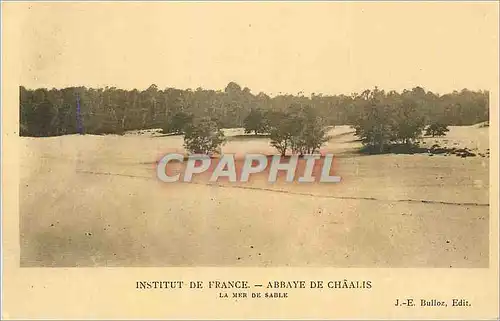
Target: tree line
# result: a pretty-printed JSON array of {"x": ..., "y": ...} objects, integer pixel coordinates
[{"x": 378, "y": 116}]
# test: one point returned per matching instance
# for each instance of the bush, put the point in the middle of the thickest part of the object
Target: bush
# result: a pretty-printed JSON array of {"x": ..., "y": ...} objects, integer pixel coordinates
[
  {"x": 311, "y": 133},
  {"x": 300, "y": 129},
  {"x": 203, "y": 137},
  {"x": 436, "y": 129},
  {"x": 382, "y": 123},
  {"x": 281, "y": 131}
]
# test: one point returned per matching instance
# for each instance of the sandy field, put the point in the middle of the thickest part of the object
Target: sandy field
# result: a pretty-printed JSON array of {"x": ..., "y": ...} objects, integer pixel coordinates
[{"x": 96, "y": 201}]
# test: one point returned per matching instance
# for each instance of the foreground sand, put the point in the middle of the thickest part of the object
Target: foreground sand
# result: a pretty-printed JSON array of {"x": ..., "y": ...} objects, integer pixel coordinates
[{"x": 95, "y": 201}]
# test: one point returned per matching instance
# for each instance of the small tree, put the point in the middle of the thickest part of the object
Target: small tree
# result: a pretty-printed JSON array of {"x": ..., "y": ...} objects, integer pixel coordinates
[
  {"x": 203, "y": 137},
  {"x": 299, "y": 129},
  {"x": 374, "y": 126},
  {"x": 309, "y": 132},
  {"x": 309, "y": 140},
  {"x": 407, "y": 124},
  {"x": 436, "y": 129},
  {"x": 255, "y": 122},
  {"x": 281, "y": 130},
  {"x": 385, "y": 121}
]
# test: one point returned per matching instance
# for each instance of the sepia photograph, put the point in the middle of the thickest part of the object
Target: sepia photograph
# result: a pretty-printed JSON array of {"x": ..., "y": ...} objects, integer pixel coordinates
[
  {"x": 250, "y": 160},
  {"x": 100, "y": 107}
]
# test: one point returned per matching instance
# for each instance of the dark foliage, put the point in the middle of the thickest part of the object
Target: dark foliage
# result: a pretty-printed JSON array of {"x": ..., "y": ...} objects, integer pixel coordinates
[
  {"x": 203, "y": 137},
  {"x": 393, "y": 122},
  {"x": 436, "y": 129},
  {"x": 110, "y": 110}
]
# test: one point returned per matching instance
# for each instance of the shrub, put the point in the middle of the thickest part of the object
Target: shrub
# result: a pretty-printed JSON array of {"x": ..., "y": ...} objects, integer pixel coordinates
[
  {"x": 300, "y": 129},
  {"x": 281, "y": 131},
  {"x": 382, "y": 123},
  {"x": 203, "y": 137},
  {"x": 436, "y": 130}
]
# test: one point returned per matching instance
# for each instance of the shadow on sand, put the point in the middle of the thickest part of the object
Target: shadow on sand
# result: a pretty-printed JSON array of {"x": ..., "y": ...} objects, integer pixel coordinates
[
  {"x": 246, "y": 137},
  {"x": 416, "y": 149}
]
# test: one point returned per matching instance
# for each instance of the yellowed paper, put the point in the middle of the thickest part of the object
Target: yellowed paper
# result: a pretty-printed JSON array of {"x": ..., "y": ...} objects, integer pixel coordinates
[{"x": 89, "y": 231}]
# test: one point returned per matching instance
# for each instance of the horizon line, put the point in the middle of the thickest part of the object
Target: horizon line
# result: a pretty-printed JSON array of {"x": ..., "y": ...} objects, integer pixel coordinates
[{"x": 271, "y": 95}]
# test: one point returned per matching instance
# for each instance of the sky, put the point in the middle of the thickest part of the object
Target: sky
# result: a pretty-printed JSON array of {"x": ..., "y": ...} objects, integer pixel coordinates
[{"x": 328, "y": 48}]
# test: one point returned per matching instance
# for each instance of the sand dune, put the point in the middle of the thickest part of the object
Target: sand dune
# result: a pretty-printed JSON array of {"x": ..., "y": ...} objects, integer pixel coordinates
[{"x": 95, "y": 201}]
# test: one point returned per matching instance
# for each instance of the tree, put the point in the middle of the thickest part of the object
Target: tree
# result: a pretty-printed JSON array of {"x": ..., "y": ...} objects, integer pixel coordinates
[
  {"x": 255, "y": 122},
  {"x": 203, "y": 137},
  {"x": 111, "y": 110},
  {"x": 388, "y": 119},
  {"x": 309, "y": 132},
  {"x": 299, "y": 129},
  {"x": 281, "y": 131},
  {"x": 436, "y": 129},
  {"x": 309, "y": 140},
  {"x": 407, "y": 123},
  {"x": 373, "y": 123}
]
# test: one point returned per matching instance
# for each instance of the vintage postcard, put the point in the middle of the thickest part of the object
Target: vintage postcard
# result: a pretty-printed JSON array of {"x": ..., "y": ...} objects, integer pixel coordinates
[{"x": 270, "y": 160}]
